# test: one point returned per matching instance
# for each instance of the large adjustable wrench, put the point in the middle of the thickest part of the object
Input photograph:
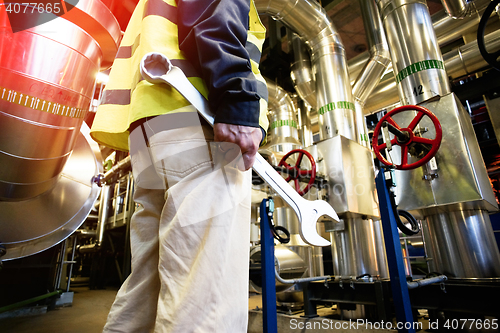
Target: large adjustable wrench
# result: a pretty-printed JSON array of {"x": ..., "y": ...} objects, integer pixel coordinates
[{"x": 157, "y": 68}]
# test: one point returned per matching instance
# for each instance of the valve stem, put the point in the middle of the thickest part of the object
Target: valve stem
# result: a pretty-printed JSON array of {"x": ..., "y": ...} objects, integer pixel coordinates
[{"x": 402, "y": 136}]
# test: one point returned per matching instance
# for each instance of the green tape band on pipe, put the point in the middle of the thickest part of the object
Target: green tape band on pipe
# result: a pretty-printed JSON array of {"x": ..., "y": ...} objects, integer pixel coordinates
[
  {"x": 418, "y": 67},
  {"x": 336, "y": 105}
]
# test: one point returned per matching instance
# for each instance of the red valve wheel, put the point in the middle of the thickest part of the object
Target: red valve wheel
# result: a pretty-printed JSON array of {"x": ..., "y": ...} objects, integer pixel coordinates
[
  {"x": 412, "y": 139},
  {"x": 295, "y": 172}
]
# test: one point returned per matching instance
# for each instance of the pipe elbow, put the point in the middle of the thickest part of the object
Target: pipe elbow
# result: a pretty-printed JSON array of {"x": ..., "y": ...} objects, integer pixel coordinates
[
  {"x": 458, "y": 9},
  {"x": 380, "y": 52}
]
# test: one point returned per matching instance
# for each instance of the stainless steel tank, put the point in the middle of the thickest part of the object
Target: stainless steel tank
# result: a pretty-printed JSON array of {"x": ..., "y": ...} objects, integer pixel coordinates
[
  {"x": 461, "y": 244},
  {"x": 359, "y": 249},
  {"x": 47, "y": 80},
  {"x": 288, "y": 264}
]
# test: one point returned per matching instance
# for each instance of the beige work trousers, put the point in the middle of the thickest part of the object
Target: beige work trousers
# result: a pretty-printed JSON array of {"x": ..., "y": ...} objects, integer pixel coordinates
[{"x": 189, "y": 235}]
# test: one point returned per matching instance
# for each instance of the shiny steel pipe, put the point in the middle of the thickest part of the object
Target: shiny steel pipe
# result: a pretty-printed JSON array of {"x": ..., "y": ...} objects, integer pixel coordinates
[
  {"x": 458, "y": 9},
  {"x": 379, "y": 59},
  {"x": 447, "y": 30},
  {"x": 351, "y": 259},
  {"x": 426, "y": 282},
  {"x": 122, "y": 166},
  {"x": 459, "y": 62},
  {"x": 101, "y": 222},
  {"x": 299, "y": 280},
  {"x": 334, "y": 95},
  {"x": 383, "y": 266},
  {"x": 305, "y": 125},
  {"x": 356, "y": 65},
  {"x": 103, "y": 214},
  {"x": 283, "y": 134},
  {"x": 301, "y": 69},
  {"x": 374, "y": 69},
  {"x": 416, "y": 57},
  {"x": 461, "y": 244},
  {"x": 467, "y": 58}
]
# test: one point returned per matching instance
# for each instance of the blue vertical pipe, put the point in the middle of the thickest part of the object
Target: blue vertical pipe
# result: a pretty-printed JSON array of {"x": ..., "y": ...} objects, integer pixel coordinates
[
  {"x": 270, "y": 317},
  {"x": 399, "y": 287}
]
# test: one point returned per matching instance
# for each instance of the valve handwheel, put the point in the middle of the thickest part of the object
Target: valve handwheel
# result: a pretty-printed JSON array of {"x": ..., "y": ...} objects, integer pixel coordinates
[
  {"x": 294, "y": 171},
  {"x": 406, "y": 138}
]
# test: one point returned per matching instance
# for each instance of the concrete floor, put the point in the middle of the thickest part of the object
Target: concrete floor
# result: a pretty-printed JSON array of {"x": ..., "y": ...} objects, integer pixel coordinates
[
  {"x": 90, "y": 308},
  {"x": 87, "y": 315}
]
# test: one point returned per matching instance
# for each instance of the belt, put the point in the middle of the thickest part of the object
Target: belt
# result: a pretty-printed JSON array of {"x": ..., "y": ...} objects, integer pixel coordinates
[{"x": 170, "y": 121}]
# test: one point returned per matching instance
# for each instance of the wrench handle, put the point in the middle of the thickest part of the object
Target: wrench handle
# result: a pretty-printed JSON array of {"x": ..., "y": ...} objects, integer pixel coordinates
[
  {"x": 189, "y": 92},
  {"x": 277, "y": 183}
]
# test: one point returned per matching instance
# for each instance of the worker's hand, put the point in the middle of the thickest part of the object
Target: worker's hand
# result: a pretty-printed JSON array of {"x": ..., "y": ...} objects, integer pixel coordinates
[{"x": 246, "y": 138}]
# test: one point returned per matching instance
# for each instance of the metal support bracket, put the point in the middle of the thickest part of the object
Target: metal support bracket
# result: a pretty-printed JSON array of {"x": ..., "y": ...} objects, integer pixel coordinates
[
  {"x": 270, "y": 316},
  {"x": 399, "y": 286}
]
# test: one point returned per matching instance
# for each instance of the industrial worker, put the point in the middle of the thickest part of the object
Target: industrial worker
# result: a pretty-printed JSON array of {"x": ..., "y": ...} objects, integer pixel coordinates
[{"x": 190, "y": 231}]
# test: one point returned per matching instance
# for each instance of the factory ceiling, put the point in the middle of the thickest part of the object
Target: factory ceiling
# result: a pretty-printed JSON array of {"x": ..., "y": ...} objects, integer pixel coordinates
[{"x": 345, "y": 14}]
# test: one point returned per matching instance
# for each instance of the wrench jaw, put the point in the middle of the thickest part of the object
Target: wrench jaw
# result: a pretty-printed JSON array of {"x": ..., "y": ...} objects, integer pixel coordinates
[
  {"x": 153, "y": 66},
  {"x": 308, "y": 231},
  {"x": 309, "y": 234}
]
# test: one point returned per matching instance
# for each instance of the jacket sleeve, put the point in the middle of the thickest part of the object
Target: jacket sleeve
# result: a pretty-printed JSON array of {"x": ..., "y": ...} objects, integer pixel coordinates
[{"x": 213, "y": 35}]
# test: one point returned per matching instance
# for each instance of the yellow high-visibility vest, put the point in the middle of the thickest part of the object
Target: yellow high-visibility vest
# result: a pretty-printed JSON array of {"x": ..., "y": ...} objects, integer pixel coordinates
[{"x": 127, "y": 98}]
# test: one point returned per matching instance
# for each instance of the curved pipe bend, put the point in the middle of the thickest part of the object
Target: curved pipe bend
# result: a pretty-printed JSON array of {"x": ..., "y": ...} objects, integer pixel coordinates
[{"x": 310, "y": 21}]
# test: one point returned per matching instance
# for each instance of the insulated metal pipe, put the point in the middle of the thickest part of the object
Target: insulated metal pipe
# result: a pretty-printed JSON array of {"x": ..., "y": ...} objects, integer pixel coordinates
[
  {"x": 121, "y": 166},
  {"x": 334, "y": 95},
  {"x": 301, "y": 69},
  {"x": 379, "y": 59},
  {"x": 416, "y": 57},
  {"x": 460, "y": 242},
  {"x": 305, "y": 126},
  {"x": 283, "y": 126},
  {"x": 459, "y": 62},
  {"x": 467, "y": 58},
  {"x": 447, "y": 29},
  {"x": 458, "y": 8},
  {"x": 374, "y": 69},
  {"x": 288, "y": 265}
]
